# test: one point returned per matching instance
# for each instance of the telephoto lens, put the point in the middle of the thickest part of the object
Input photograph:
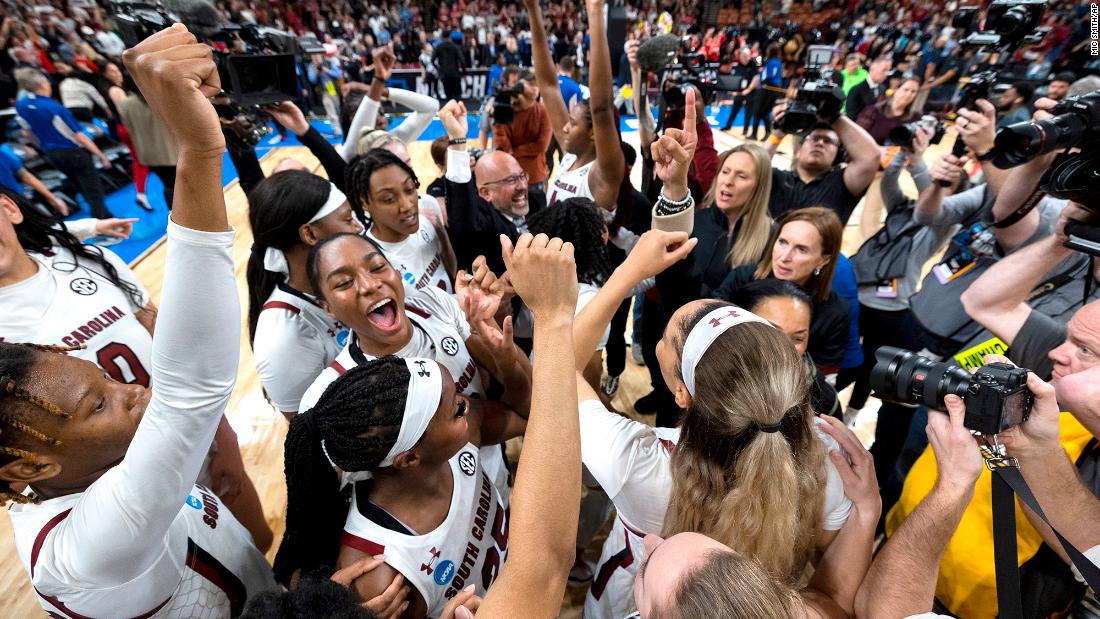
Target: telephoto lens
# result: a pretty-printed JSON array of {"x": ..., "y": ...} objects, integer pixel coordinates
[
  {"x": 1075, "y": 123},
  {"x": 996, "y": 395},
  {"x": 908, "y": 378}
]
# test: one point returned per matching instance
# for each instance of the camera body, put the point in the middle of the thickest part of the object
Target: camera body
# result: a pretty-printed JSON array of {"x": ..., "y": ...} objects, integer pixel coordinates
[
  {"x": 1015, "y": 20},
  {"x": 903, "y": 135},
  {"x": 996, "y": 395},
  {"x": 503, "y": 110},
  {"x": 264, "y": 73},
  {"x": 818, "y": 99}
]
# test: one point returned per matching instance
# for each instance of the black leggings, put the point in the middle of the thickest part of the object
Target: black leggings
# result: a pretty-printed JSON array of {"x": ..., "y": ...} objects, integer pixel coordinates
[
  {"x": 764, "y": 101},
  {"x": 739, "y": 101},
  {"x": 616, "y": 340},
  {"x": 167, "y": 175},
  {"x": 77, "y": 164}
]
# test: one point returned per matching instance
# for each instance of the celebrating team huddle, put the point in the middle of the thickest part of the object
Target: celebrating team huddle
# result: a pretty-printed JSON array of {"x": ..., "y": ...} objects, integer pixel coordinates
[{"x": 453, "y": 446}]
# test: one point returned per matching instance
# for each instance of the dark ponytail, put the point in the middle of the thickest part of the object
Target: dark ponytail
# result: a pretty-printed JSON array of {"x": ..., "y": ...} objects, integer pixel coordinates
[
  {"x": 40, "y": 234},
  {"x": 359, "y": 418},
  {"x": 357, "y": 178},
  {"x": 277, "y": 207}
]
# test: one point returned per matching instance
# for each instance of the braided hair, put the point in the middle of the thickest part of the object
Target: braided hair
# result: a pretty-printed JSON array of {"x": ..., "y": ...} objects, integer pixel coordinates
[
  {"x": 277, "y": 207},
  {"x": 357, "y": 178},
  {"x": 358, "y": 419},
  {"x": 16, "y": 405},
  {"x": 40, "y": 234},
  {"x": 580, "y": 222}
]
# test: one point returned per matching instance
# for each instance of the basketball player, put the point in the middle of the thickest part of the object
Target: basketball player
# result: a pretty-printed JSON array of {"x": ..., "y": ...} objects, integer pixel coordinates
[
  {"x": 292, "y": 338},
  {"x": 58, "y": 291},
  {"x": 356, "y": 285},
  {"x": 752, "y": 393},
  {"x": 593, "y": 166},
  {"x": 111, "y": 522},
  {"x": 386, "y": 187},
  {"x": 398, "y": 429}
]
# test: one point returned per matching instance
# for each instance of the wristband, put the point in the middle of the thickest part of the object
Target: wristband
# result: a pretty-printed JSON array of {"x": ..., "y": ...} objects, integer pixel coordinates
[
  {"x": 457, "y": 142},
  {"x": 665, "y": 206},
  {"x": 774, "y": 140}
]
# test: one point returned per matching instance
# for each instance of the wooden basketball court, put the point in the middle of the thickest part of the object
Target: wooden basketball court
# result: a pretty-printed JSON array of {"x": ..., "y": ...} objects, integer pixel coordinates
[{"x": 261, "y": 430}]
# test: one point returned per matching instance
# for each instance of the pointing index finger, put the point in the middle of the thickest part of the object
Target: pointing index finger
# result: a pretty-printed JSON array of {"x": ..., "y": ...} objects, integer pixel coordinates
[{"x": 689, "y": 112}]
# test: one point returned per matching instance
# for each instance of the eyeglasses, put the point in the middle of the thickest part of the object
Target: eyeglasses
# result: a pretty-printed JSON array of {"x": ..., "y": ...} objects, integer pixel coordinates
[
  {"x": 510, "y": 180},
  {"x": 824, "y": 140}
]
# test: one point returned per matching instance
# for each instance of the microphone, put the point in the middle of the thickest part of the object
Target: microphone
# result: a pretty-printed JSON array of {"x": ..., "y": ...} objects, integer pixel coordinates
[
  {"x": 655, "y": 54},
  {"x": 201, "y": 18}
]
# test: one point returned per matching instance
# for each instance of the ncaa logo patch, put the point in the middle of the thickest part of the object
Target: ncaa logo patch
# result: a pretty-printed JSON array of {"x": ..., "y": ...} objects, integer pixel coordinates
[
  {"x": 449, "y": 346},
  {"x": 444, "y": 572},
  {"x": 342, "y": 337},
  {"x": 83, "y": 286},
  {"x": 193, "y": 502},
  {"x": 409, "y": 279},
  {"x": 467, "y": 463}
]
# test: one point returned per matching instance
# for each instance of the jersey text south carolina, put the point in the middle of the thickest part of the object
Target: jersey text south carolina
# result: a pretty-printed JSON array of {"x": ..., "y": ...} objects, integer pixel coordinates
[{"x": 93, "y": 327}]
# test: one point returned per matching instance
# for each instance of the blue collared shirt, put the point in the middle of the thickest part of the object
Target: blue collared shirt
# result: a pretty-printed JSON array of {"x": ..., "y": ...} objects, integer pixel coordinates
[{"x": 51, "y": 123}]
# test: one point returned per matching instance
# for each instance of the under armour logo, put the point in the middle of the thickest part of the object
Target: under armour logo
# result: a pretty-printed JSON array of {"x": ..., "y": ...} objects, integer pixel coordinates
[
  {"x": 714, "y": 322},
  {"x": 423, "y": 370},
  {"x": 428, "y": 567}
]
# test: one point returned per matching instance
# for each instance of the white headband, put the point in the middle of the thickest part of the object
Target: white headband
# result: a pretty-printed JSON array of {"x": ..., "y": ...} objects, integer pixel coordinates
[
  {"x": 275, "y": 259},
  {"x": 425, "y": 391},
  {"x": 705, "y": 332}
]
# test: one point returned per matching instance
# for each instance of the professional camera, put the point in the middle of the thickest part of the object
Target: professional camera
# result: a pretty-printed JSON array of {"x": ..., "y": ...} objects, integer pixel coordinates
[
  {"x": 503, "y": 111},
  {"x": 264, "y": 73},
  {"x": 903, "y": 135},
  {"x": 996, "y": 395},
  {"x": 1076, "y": 122},
  {"x": 818, "y": 99}
]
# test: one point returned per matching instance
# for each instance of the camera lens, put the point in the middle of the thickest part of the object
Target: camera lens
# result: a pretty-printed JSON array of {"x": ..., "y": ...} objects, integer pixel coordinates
[
  {"x": 902, "y": 135},
  {"x": 906, "y": 377},
  {"x": 1022, "y": 142}
]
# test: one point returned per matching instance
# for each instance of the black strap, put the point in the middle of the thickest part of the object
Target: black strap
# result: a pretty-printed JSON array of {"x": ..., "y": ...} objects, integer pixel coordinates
[
  {"x": 1009, "y": 600},
  {"x": 1030, "y": 203},
  {"x": 1006, "y": 481}
]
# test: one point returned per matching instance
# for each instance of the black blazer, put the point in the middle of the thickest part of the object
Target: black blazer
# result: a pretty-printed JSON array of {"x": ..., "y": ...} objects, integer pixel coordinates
[
  {"x": 475, "y": 226},
  {"x": 860, "y": 96}
]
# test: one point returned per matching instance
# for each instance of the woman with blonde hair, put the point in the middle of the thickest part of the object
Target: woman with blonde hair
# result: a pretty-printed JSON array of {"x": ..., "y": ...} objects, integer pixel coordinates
[
  {"x": 804, "y": 250},
  {"x": 748, "y": 425}
]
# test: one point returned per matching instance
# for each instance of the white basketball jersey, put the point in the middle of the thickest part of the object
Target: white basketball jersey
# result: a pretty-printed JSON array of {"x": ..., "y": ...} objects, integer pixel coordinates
[
  {"x": 210, "y": 566},
  {"x": 295, "y": 340},
  {"x": 419, "y": 258},
  {"x": 468, "y": 548},
  {"x": 439, "y": 333},
  {"x": 72, "y": 303},
  {"x": 570, "y": 183}
]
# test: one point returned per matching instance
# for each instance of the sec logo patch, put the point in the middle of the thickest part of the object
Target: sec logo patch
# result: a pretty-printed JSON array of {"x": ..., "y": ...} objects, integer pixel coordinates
[
  {"x": 467, "y": 463},
  {"x": 449, "y": 346},
  {"x": 83, "y": 286}
]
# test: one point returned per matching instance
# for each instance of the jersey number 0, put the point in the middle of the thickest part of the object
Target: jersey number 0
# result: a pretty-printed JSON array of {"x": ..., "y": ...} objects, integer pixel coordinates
[{"x": 123, "y": 365}]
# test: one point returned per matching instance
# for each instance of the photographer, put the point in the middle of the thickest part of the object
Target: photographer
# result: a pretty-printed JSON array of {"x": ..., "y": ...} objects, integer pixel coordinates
[
  {"x": 1030, "y": 311},
  {"x": 527, "y": 136},
  {"x": 816, "y": 177},
  {"x": 1013, "y": 104}
]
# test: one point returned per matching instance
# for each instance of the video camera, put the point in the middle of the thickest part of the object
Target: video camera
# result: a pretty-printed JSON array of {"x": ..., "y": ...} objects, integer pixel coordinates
[
  {"x": 258, "y": 69},
  {"x": 503, "y": 111},
  {"x": 1072, "y": 176},
  {"x": 818, "y": 99},
  {"x": 996, "y": 395}
]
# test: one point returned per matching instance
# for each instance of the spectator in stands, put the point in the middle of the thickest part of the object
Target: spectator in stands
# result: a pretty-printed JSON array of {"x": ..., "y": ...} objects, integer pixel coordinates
[
  {"x": 80, "y": 97},
  {"x": 527, "y": 137},
  {"x": 13, "y": 175},
  {"x": 866, "y": 93},
  {"x": 853, "y": 73},
  {"x": 1013, "y": 104},
  {"x": 153, "y": 145},
  {"x": 62, "y": 139},
  {"x": 570, "y": 90}
]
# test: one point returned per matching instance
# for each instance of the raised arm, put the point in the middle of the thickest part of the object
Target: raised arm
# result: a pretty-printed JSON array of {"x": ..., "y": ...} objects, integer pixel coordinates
[
  {"x": 125, "y": 514},
  {"x": 1018, "y": 186},
  {"x": 929, "y": 209},
  {"x": 545, "y": 72},
  {"x": 291, "y": 117},
  {"x": 546, "y": 497},
  {"x": 424, "y": 109},
  {"x": 978, "y": 129},
  {"x": 367, "y": 114},
  {"x": 998, "y": 299},
  {"x": 863, "y": 150},
  {"x": 607, "y": 174},
  {"x": 902, "y": 578},
  {"x": 647, "y": 130}
]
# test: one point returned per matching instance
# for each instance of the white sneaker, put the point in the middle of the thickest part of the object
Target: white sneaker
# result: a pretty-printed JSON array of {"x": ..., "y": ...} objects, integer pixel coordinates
[
  {"x": 609, "y": 385},
  {"x": 636, "y": 353}
]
